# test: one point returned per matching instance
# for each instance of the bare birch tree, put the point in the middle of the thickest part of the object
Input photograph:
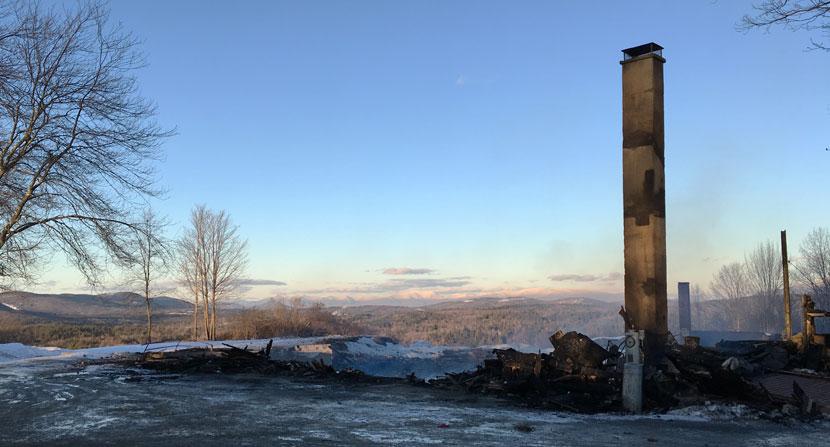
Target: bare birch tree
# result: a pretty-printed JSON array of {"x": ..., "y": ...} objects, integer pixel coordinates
[
  {"x": 213, "y": 258},
  {"x": 765, "y": 282},
  {"x": 813, "y": 265},
  {"x": 151, "y": 260},
  {"x": 228, "y": 259},
  {"x": 187, "y": 263},
  {"x": 729, "y": 284},
  {"x": 192, "y": 260},
  {"x": 77, "y": 141}
]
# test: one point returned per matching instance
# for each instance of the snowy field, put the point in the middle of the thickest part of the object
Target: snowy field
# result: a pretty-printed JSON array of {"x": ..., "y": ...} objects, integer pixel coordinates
[{"x": 48, "y": 398}]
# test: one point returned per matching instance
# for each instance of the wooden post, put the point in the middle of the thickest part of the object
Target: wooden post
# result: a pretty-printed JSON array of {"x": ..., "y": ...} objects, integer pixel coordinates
[{"x": 788, "y": 318}]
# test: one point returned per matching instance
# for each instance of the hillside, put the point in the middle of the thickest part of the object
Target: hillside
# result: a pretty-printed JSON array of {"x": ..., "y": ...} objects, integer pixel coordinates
[
  {"x": 85, "y": 320},
  {"x": 488, "y": 321},
  {"x": 87, "y": 308},
  {"x": 88, "y": 320}
]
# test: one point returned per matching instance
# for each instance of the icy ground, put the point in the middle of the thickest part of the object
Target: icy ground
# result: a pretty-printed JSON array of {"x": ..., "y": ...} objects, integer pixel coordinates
[{"x": 54, "y": 400}]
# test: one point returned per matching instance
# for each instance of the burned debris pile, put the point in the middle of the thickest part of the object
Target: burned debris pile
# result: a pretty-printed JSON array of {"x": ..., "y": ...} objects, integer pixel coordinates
[
  {"x": 582, "y": 376},
  {"x": 234, "y": 360},
  {"x": 228, "y": 359},
  {"x": 578, "y": 375}
]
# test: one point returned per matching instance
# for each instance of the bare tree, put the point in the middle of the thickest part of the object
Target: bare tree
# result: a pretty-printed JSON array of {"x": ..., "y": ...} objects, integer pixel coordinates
[
  {"x": 77, "y": 141},
  {"x": 213, "y": 258},
  {"x": 188, "y": 268},
  {"x": 151, "y": 260},
  {"x": 192, "y": 260},
  {"x": 228, "y": 259},
  {"x": 809, "y": 15},
  {"x": 813, "y": 265},
  {"x": 729, "y": 284},
  {"x": 764, "y": 279},
  {"x": 696, "y": 298}
]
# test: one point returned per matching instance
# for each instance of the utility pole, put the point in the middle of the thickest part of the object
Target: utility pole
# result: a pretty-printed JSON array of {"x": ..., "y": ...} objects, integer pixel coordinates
[{"x": 788, "y": 318}]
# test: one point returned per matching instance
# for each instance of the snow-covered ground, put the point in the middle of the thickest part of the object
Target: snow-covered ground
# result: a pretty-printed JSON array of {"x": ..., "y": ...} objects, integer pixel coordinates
[{"x": 10, "y": 306}]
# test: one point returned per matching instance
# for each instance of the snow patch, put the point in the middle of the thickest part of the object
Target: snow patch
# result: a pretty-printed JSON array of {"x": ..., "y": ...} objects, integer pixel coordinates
[
  {"x": 383, "y": 357},
  {"x": 10, "y": 352},
  {"x": 393, "y": 438},
  {"x": 714, "y": 412},
  {"x": 18, "y": 351},
  {"x": 10, "y": 306},
  {"x": 385, "y": 347}
]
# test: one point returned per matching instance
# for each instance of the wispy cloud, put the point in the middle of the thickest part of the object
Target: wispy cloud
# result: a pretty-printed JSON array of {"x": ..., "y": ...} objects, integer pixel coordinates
[
  {"x": 407, "y": 271},
  {"x": 575, "y": 277},
  {"x": 395, "y": 286},
  {"x": 428, "y": 283},
  {"x": 460, "y": 81},
  {"x": 250, "y": 282}
]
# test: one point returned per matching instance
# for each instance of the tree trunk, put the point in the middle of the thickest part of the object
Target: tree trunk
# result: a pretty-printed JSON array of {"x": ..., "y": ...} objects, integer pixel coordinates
[
  {"x": 195, "y": 318},
  {"x": 213, "y": 317},
  {"x": 207, "y": 317},
  {"x": 149, "y": 321}
]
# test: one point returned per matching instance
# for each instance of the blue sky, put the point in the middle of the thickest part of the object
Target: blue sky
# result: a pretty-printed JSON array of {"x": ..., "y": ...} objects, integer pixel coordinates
[{"x": 480, "y": 141}]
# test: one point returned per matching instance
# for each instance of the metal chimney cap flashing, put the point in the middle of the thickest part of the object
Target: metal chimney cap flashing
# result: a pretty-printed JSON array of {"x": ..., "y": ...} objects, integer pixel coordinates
[{"x": 647, "y": 49}]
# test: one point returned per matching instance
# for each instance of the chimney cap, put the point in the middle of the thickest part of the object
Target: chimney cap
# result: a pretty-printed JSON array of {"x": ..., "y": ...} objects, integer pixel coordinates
[{"x": 641, "y": 50}]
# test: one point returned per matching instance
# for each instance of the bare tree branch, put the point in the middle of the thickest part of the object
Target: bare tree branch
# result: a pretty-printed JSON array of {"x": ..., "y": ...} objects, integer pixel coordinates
[
  {"x": 807, "y": 15},
  {"x": 78, "y": 144}
]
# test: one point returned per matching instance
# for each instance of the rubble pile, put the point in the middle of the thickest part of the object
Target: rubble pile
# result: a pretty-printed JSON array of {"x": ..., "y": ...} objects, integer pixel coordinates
[
  {"x": 230, "y": 359},
  {"x": 582, "y": 376},
  {"x": 235, "y": 360},
  {"x": 579, "y": 375}
]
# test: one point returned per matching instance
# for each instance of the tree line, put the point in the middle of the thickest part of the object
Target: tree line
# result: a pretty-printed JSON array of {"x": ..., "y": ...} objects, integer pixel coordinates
[{"x": 750, "y": 291}]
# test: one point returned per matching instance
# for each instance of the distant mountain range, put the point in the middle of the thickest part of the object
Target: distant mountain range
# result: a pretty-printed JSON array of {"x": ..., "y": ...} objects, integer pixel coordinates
[
  {"x": 615, "y": 298},
  {"x": 84, "y": 308}
]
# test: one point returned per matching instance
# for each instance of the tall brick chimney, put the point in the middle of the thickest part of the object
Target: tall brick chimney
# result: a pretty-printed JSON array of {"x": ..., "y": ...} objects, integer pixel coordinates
[{"x": 644, "y": 201}]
